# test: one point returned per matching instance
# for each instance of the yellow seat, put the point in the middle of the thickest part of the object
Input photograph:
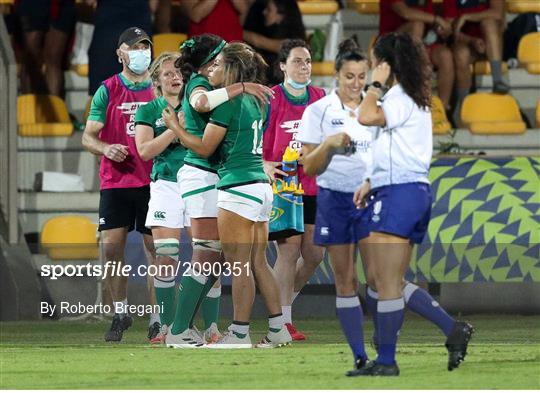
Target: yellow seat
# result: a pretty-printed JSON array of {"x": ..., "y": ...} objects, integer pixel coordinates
[
  {"x": 43, "y": 115},
  {"x": 522, "y": 6},
  {"x": 325, "y": 68},
  {"x": 483, "y": 67},
  {"x": 311, "y": 7},
  {"x": 370, "y": 7},
  {"x": 167, "y": 42},
  {"x": 441, "y": 125},
  {"x": 529, "y": 52},
  {"x": 80, "y": 69},
  {"x": 70, "y": 238},
  {"x": 487, "y": 113}
]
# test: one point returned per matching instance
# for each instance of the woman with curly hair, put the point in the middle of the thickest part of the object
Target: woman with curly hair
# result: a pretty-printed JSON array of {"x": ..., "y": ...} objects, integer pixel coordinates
[{"x": 398, "y": 196}]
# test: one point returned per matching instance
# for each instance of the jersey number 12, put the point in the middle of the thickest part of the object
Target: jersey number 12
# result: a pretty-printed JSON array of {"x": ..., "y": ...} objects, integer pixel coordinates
[{"x": 257, "y": 143}]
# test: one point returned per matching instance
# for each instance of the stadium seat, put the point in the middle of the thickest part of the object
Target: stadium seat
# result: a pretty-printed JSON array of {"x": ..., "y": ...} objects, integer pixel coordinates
[
  {"x": 441, "y": 125},
  {"x": 366, "y": 6},
  {"x": 522, "y": 6},
  {"x": 487, "y": 113},
  {"x": 168, "y": 42},
  {"x": 319, "y": 7},
  {"x": 325, "y": 68},
  {"x": 483, "y": 67},
  {"x": 70, "y": 238},
  {"x": 43, "y": 115},
  {"x": 529, "y": 52},
  {"x": 79, "y": 69}
]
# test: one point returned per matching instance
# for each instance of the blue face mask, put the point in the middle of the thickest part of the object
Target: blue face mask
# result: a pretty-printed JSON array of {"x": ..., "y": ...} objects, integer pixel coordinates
[
  {"x": 296, "y": 85},
  {"x": 139, "y": 60}
]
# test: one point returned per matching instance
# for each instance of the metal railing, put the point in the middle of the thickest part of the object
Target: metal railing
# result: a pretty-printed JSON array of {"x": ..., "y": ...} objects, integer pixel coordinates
[{"x": 8, "y": 135}]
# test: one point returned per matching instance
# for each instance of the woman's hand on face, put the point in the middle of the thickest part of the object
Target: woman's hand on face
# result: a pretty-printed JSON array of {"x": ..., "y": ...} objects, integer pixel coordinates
[
  {"x": 262, "y": 93},
  {"x": 381, "y": 73},
  {"x": 359, "y": 197}
]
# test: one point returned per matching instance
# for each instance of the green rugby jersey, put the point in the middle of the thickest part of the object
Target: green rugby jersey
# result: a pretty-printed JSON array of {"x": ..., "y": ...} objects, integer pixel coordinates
[
  {"x": 168, "y": 162},
  {"x": 241, "y": 148},
  {"x": 196, "y": 123}
]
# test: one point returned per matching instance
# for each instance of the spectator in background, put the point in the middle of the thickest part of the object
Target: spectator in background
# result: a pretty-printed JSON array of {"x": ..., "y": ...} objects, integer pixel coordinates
[
  {"x": 219, "y": 17},
  {"x": 268, "y": 24},
  {"x": 47, "y": 26},
  {"x": 477, "y": 30},
  {"x": 111, "y": 19},
  {"x": 416, "y": 17}
]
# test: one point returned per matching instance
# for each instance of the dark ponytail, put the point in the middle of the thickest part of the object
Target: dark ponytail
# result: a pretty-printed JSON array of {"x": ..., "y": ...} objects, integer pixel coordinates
[{"x": 193, "y": 53}]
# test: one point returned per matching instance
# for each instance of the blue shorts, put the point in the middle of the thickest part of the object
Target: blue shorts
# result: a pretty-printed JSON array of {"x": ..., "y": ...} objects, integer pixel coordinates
[
  {"x": 403, "y": 210},
  {"x": 335, "y": 218}
]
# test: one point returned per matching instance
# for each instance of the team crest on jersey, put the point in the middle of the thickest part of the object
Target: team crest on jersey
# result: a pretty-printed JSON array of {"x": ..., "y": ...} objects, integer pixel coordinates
[{"x": 160, "y": 122}]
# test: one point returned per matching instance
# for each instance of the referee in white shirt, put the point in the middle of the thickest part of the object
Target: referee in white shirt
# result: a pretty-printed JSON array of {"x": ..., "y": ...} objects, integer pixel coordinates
[
  {"x": 336, "y": 148},
  {"x": 399, "y": 203}
]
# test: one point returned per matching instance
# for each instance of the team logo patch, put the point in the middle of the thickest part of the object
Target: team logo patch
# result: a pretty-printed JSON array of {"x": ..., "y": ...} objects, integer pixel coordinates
[
  {"x": 325, "y": 231},
  {"x": 102, "y": 220},
  {"x": 158, "y": 215},
  {"x": 376, "y": 210},
  {"x": 338, "y": 122}
]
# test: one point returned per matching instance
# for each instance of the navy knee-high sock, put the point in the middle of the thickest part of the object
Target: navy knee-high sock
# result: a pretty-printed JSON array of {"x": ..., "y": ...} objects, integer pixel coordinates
[
  {"x": 372, "y": 297},
  {"x": 421, "y": 302},
  {"x": 390, "y": 315},
  {"x": 350, "y": 317}
]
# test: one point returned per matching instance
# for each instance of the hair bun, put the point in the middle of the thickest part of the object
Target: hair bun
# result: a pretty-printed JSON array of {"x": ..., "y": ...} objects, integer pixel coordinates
[{"x": 349, "y": 45}]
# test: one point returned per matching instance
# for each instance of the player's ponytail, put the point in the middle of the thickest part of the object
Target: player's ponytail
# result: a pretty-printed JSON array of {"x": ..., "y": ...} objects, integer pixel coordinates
[{"x": 195, "y": 53}]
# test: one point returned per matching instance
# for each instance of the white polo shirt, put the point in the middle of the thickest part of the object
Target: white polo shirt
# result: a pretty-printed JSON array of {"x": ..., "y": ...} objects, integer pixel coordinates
[
  {"x": 326, "y": 117},
  {"x": 402, "y": 149}
]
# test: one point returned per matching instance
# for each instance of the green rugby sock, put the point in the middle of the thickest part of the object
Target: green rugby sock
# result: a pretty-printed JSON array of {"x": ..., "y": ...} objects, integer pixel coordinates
[
  {"x": 165, "y": 298},
  {"x": 189, "y": 291},
  {"x": 210, "y": 307}
]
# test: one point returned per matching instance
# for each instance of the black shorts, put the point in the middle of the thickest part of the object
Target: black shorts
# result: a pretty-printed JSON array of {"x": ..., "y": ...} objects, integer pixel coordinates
[
  {"x": 124, "y": 207},
  {"x": 39, "y": 15},
  {"x": 310, "y": 209},
  {"x": 310, "y": 212}
]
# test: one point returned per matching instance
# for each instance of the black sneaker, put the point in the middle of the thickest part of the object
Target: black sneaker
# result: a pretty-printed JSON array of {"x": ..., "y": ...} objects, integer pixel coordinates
[
  {"x": 358, "y": 364},
  {"x": 375, "y": 369},
  {"x": 457, "y": 342},
  {"x": 154, "y": 330},
  {"x": 118, "y": 326}
]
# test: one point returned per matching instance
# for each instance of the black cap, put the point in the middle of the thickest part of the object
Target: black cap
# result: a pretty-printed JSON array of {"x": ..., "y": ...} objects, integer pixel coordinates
[{"x": 132, "y": 36}]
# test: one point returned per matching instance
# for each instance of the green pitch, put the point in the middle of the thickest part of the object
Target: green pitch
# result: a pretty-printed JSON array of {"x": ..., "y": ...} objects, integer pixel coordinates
[{"x": 504, "y": 354}]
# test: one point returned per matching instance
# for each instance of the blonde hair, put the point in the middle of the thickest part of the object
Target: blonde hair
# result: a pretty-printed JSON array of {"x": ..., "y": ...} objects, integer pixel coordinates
[
  {"x": 155, "y": 69},
  {"x": 242, "y": 64}
]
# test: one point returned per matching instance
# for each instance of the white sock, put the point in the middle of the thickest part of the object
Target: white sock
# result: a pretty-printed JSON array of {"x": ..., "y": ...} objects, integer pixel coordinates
[
  {"x": 240, "y": 329},
  {"x": 294, "y": 295},
  {"x": 287, "y": 314},
  {"x": 275, "y": 323},
  {"x": 121, "y": 307},
  {"x": 154, "y": 317}
]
